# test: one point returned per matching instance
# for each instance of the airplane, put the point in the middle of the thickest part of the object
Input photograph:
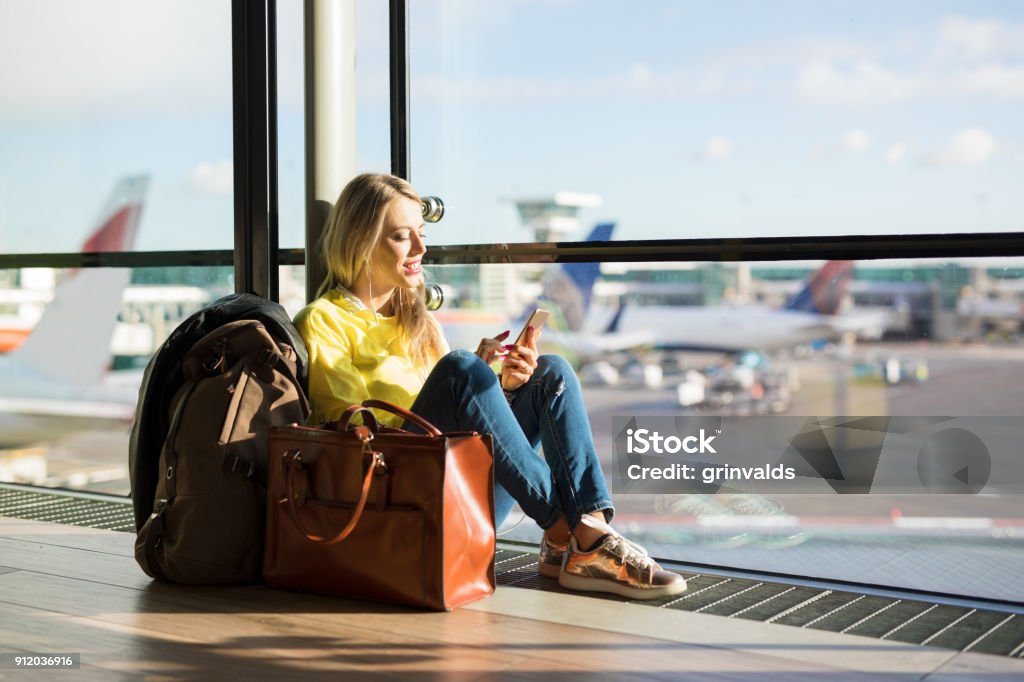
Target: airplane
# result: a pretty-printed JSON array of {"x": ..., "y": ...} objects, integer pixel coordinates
[
  {"x": 811, "y": 315},
  {"x": 56, "y": 382},
  {"x": 981, "y": 315},
  {"x": 588, "y": 333}
]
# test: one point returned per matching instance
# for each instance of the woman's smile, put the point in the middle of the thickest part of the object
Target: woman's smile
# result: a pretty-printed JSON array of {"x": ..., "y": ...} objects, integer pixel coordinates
[{"x": 397, "y": 259}]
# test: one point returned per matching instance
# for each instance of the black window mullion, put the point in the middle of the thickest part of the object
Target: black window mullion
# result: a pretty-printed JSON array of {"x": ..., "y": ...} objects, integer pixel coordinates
[
  {"x": 398, "y": 47},
  {"x": 868, "y": 247},
  {"x": 254, "y": 117}
]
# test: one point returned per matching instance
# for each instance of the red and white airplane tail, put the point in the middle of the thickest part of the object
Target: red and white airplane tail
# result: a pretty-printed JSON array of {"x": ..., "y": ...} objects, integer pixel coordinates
[{"x": 71, "y": 341}]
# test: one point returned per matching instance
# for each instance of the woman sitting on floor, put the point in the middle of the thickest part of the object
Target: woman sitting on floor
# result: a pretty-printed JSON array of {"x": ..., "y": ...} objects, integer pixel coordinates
[{"x": 369, "y": 334}]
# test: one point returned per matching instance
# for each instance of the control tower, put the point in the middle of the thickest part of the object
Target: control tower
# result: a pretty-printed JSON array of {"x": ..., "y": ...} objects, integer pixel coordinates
[
  {"x": 554, "y": 218},
  {"x": 550, "y": 219}
]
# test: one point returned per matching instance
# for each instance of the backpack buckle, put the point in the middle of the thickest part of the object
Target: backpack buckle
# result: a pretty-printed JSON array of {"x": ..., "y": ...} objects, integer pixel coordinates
[{"x": 237, "y": 465}]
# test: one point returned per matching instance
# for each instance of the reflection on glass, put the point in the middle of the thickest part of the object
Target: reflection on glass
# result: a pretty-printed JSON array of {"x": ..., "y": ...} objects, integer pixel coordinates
[{"x": 871, "y": 339}]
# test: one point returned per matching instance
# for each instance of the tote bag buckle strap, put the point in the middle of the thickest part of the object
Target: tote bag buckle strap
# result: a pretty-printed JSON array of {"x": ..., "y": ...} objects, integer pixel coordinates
[{"x": 292, "y": 464}]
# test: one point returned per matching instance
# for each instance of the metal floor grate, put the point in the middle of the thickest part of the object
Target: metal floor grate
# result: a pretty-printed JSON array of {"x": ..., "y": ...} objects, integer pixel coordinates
[
  {"x": 914, "y": 621},
  {"x": 72, "y": 509}
]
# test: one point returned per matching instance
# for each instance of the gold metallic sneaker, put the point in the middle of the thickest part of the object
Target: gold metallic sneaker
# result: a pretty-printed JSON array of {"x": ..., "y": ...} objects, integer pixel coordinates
[
  {"x": 549, "y": 564},
  {"x": 617, "y": 566}
]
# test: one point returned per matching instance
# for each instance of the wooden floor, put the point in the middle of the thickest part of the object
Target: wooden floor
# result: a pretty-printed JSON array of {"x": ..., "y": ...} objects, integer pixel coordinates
[{"x": 65, "y": 589}]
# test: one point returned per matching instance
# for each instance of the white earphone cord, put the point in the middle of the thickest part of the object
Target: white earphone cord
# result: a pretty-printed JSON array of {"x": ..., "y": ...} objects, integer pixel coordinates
[{"x": 369, "y": 280}]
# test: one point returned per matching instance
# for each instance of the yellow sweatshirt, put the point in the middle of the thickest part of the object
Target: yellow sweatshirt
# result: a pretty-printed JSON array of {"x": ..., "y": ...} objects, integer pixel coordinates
[{"x": 355, "y": 355}]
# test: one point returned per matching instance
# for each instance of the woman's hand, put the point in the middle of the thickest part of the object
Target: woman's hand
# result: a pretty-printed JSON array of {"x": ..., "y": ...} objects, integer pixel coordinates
[
  {"x": 518, "y": 366},
  {"x": 490, "y": 349}
]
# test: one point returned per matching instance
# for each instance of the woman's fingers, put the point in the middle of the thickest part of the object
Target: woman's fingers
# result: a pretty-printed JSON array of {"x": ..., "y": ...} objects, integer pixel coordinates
[
  {"x": 512, "y": 375},
  {"x": 488, "y": 348},
  {"x": 524, "y": 352},
  {"x": 518, "y": 365},
  {"x": 532, "y": 337}
]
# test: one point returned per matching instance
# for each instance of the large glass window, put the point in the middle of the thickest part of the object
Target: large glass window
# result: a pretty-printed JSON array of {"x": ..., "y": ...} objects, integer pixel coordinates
[
  {"x": 739, "y": 120},
  {"x": 912, "y": 351},
  {"x": 890, "y": 339},
  {"x": 674, "y": 121},
  {"x": 371, "y": 112},
  {"x": 91, "y": 96},
  {"x": 290, "y": 126},
  {"x": 730, "y": 119},
  {"x": 372, "y": 88},
  {"x": 74, "y": 345}
]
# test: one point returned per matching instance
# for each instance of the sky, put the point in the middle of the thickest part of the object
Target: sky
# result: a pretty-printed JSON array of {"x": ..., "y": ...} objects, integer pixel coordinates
[{"x": 690, "y": 120}]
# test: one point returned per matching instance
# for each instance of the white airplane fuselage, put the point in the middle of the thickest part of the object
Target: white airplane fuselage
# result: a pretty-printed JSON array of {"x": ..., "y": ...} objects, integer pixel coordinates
[{"x": 718, "y": 328}]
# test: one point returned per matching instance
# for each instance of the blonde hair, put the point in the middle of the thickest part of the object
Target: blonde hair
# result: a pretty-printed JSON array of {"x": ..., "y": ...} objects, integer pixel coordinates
[{"x": 354, "y": 227}]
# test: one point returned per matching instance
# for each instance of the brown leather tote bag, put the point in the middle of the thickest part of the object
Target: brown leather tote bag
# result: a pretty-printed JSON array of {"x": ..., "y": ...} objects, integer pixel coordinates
[{"x": 381, "y": 514}]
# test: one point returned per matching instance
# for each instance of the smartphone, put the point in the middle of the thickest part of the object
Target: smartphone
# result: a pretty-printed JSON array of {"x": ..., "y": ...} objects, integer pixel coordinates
[{"x": 537, "y": 319}]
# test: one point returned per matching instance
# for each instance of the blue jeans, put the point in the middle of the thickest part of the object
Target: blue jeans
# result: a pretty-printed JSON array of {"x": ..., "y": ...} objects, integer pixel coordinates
[{"x": 463, "y": 394}]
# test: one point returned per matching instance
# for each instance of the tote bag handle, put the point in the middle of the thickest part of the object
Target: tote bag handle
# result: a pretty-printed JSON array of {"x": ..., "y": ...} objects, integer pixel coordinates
[
  {"x": 292, "y": 464},
  {"x": 419, "y": 421}
]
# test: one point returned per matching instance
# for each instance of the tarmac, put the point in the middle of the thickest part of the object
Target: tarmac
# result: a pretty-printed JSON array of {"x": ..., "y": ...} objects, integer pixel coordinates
[{"x": 961, "y": 544}]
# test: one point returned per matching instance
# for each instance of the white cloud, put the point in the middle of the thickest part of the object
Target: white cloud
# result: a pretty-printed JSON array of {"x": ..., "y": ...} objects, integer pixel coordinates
[
  {"x": 864, "y": 82},
  {"x": 966, "y": 148},
  {"x": 66, "y": 58},
  {"x": 792, "y": 52},
  {"x": 958, "y": 58},
  {"x": 718, "y": 149},
  {"x": 970, "y": 37},
  {"x": 896, "y": 152},
  {"x": 640, "y": 74},
  {"x": 212, "y": 178},
  {"x": 955, "y": 58},
  {"x": 990, "y": 79},
  {"x": 855, "y": 141},
  {"x": 965, "y": 38},
  {"x": 638, "y": 81}
]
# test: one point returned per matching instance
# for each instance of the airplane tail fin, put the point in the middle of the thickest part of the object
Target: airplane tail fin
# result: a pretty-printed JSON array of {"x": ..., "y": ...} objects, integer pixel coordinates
[
  {"x": 71, "y": 342},
  {"x": 824, "y": 290},
  {"x": 570, "y": 288}
]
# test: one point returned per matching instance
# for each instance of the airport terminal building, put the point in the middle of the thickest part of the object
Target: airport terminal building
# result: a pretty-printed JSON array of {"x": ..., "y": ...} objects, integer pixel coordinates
[{"x": 785, "y": 260}]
